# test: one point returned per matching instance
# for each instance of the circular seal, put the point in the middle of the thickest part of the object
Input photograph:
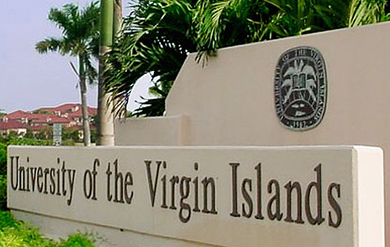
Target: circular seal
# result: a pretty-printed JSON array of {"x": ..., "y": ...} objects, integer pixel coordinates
[{"x": 300, "y": 88}]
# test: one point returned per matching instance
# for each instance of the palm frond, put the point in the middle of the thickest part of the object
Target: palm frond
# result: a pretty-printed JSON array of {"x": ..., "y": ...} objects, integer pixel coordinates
[
  {"x": 49, "y": 44},
  {"x": 90, "y": 71},
  {"x": 150, "y": 108},
  {"x": 80, "y": 33},
  {"x": 156, "y": 39},
  {"x": 228, "y": 22},
  {"x": 60, "y": 18},
  {"x": 363, "y": 12},
  {"x": 159, "y": 34}
]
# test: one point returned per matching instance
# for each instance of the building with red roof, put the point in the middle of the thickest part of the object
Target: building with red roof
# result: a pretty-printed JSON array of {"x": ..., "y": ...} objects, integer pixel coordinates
[
  {"x": 19, "y": 115},
  {"x": 66, "y": 110},
  {"x": 11, "y": 125},
  {"x": 69, "y": 115}
]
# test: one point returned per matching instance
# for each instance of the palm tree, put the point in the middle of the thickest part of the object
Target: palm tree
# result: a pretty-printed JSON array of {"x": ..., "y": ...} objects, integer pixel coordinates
[
  {"x": 156, "y": 39},
  {"x": 110, "y": 26},
  {"x": 159, "y": 34},
  {"x": 224, "y": 23},
  {"x": 232, "y": 22},
  {"x": 80, "y": 34},
  {"x": 297, "y": 17}
]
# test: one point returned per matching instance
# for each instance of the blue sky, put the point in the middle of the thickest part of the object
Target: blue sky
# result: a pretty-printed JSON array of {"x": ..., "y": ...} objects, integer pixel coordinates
[{"x": 29, "y": 80}]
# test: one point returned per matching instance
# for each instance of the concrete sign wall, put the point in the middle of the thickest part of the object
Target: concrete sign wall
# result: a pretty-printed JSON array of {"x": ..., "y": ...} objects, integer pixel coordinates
[
  {"x": 205, "y": 196},
  {"x": 242, "y": 97}
]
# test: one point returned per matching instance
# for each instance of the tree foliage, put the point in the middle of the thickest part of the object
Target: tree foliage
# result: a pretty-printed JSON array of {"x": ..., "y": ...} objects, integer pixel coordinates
[
  {"x": 80, "y": 35},
  {"x": 3, "y": 159},
  {"x": 158, "y": 35},
  {"x": 156, "y": 38},
  {"x": 272, "y": 19}
]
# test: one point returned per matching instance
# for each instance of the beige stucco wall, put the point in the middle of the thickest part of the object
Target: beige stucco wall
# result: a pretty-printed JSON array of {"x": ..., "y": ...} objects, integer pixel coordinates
[
  {"x": 231, "y": 100},
  {"x": 165, "y": 131},
  {"x": 56, "y": 228}
]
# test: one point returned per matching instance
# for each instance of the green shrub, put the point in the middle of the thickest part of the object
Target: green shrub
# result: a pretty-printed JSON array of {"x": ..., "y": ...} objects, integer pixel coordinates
[
  {"x": 23, "y": 237},
  {"x": 3, "y": 159},
  {"x": 16, "y": 233},
  {"x": 68, "y": 142},
  {"x": 77, "y": 240},
  {"x": 10, "y": 238},
  {"x": 29, "y": 142},
  {"x": 3, "y": 192},
  {"x": 7, "y": 221}
]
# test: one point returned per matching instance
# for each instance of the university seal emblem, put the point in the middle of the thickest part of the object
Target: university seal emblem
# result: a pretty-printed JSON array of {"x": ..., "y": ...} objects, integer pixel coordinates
[{"x": 300, "y": 88}]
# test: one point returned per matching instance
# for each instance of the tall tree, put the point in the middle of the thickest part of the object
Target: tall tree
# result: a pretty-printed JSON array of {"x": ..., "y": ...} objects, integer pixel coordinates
[
  {"x": 157, "y": 37},
  {"x": 80, "y": 34},
  {"x": 105, "y": 128}
]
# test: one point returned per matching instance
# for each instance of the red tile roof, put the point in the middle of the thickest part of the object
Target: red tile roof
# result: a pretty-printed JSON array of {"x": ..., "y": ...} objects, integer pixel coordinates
[
  {"x": 17, "y": 115},
  {"x": 60, "y": 108},
  {"x": 11, "y": 124},
  {"x": 79, "y": 113},
  {"x": 64, "y": 114},
  {"x": 70, "y": 108},
  {"x": 48, "y": 118},
  {"x": 57, "y": 119}
]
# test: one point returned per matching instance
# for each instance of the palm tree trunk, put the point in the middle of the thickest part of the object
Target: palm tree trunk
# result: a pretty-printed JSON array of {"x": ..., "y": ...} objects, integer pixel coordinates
[
  {"x": 117, "y": 18},
  {"x": 105, "y": 123},
  {"x": 84, "y": 104}
]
